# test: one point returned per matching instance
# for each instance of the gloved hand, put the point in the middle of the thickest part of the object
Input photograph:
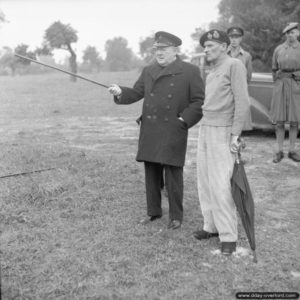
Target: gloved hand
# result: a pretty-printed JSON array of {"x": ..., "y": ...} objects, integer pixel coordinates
[{"x": 115, "y": 90}]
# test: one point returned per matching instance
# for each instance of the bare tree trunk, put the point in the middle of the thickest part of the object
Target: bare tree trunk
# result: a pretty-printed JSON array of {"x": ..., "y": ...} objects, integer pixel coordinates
[
  {"x": 73, "y": 63},
  {"x": 13, "y": 69}
]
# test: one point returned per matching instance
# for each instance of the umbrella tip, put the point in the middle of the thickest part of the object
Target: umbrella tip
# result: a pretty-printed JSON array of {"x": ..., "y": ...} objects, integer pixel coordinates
[{"x": 254, "y": 256}]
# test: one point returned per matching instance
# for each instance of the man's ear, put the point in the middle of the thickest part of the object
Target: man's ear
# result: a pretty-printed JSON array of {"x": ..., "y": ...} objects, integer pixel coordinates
[{"x": 224, "y": 46}]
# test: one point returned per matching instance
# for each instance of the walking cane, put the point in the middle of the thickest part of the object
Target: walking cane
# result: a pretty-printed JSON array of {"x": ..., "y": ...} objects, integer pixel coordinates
[
  {"x": 58, "y": 69},
  {"x": 25, "y": 173}
]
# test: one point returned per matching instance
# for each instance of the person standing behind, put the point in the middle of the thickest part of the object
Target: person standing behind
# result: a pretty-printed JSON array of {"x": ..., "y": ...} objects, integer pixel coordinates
[
  {"x": 225, "y": 108},
  {"x": 285, "y": 105},
  {"x": 173, "y": 93},
  {"x": 235, "y": 50}
]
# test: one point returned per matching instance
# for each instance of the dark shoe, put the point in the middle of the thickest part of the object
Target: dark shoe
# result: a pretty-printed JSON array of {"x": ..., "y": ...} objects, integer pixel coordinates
[
  {"x": 227, "y": 248},
  {"x": 151, "y": 219},
  {"x": 204, "y": 235},
  {"x": 278, "y": 157},
  {"x": 174, "y": 224},
  {"x": 294, "y": 156}
]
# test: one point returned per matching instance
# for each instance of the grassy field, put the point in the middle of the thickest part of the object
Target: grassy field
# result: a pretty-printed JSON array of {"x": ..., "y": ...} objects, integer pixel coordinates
[{"x": 74, "y": 233}]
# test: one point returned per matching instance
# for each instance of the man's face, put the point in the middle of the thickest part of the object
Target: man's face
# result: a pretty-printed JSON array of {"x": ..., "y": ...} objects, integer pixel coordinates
[
  {"x": 235, "y": 40},
  {"x": 292, "y": 35},
  {"x": 165, "y": 55},
  {"x": 213, "y": 50}
]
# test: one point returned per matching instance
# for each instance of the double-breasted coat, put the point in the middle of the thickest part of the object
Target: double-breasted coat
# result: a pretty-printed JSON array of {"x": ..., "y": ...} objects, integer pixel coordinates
[{"x": 174, "y": 91}]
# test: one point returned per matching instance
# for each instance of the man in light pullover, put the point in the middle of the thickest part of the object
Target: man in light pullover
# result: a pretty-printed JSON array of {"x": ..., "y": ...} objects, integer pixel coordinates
[{"x": 225, "y": 110}]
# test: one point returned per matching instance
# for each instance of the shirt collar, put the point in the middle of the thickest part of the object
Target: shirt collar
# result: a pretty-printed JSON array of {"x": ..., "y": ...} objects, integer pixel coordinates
[
  {"x": 241, "y": 50},
  {"x": 296, "y": 45}
]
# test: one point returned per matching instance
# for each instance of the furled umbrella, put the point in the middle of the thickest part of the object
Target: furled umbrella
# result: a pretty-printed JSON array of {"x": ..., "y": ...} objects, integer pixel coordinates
[{"x": 243, "y": 199}]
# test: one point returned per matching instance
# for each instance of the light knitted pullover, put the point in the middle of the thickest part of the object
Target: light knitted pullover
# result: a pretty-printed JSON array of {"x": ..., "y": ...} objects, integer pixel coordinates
[{"x": 226, "y": 95}]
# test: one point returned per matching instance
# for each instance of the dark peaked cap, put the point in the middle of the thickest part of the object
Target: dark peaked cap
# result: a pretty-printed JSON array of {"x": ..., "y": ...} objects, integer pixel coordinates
[
  {"x": 165, "y": 39},
  {"x": 215, "y": 35},
  {"x": 235, "y": 30},
  {"x": 290, "y": 26}
]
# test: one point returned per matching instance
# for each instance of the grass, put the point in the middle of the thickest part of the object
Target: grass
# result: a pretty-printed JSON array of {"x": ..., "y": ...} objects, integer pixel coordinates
[{"x": 73, "y": 232}]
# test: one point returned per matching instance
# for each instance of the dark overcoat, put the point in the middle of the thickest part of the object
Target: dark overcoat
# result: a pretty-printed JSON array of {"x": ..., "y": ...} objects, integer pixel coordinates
[{"x": 174, "y": 91}]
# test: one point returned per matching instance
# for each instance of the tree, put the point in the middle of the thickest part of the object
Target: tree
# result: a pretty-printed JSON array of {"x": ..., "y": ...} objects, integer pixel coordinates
[
  {"x": 61, "y": 36},
  {"x": 10, "y": 61},
  {"x": 118, "y": 56},
  {"x": 262, "y": 20},
  {"x": 92, "y": 60},
  {"x": 146, "y": 45},
  {"x": 7, "y": 61},
  {"x": 22, "y": 49},
  {"x": 2, "y": 17},
  {"x": 44, "y": 50},
  {"x": 196, "y": 37}
]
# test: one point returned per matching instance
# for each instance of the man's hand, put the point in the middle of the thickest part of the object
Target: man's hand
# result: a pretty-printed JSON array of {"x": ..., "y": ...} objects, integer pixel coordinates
[
  {"x": 234, "y": 143},
  {"x": 115, "y": 90}
]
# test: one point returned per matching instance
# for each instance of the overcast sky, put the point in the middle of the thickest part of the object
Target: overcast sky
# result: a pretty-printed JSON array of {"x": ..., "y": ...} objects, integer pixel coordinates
[{"x": 99, "y": 20}]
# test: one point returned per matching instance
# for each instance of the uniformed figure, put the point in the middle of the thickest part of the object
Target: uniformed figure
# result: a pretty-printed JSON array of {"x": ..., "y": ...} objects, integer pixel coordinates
[
  {"x": 225, "y": 108},
  {"x": 235, "y": 50},
  {"x": 286, "y": 92},
  {"x": 173, "y": 95}
]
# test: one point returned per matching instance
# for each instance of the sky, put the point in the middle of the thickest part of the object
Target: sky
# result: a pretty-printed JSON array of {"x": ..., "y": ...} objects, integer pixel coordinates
[{"x": 97, "y": 21}]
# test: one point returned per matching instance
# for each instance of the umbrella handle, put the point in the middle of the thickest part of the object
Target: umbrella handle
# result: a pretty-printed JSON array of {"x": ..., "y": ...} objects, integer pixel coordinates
[
  {"x": 238, "y": 157},
  {"x": 254, "y": 256},
  {"x": 238, "y": 153}
]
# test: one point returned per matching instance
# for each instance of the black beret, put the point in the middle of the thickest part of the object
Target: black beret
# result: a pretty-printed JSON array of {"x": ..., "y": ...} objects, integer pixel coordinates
[
  {"x": 164, "y": 39},
  {"x": 235, "y": 30},
  {"x": 215, "y": 36},
  {"x": 290, "y": 26}
]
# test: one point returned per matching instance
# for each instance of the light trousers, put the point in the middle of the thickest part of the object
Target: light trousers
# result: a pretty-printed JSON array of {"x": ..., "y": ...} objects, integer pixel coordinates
[{"x": 214, "y": 171}]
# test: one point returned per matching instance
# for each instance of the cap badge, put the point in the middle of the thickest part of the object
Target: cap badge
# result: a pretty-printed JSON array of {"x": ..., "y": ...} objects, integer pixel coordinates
[
  {"x": 216, "y": 34},
  {"x": 209, "y": 36}
]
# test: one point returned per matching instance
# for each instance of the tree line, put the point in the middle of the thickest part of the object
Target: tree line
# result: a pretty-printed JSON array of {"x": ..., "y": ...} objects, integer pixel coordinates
[
  {"x": 119, "y": 57},
  {"x": 262, "y": 21}
]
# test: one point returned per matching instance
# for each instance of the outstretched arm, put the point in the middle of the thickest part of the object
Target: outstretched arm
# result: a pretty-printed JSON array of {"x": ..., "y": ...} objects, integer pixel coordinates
[{"x": 126, "y": 95}]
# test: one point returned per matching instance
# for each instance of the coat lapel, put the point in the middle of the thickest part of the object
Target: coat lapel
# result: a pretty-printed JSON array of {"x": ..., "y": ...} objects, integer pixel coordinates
[{"x": 156, "y": 71}]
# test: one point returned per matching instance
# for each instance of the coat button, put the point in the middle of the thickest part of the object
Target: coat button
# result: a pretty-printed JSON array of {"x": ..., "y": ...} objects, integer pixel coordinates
[
  {"x": 169, "y": 96},
  {"x": 151, "y": 94},
  {"x": 172, "y": 84},
  {"x": 168, "y": 107},
  {"x": 166, "y": 119},
  {"x": 154, "y": 117},
  {"x": 148, "y": 117}
]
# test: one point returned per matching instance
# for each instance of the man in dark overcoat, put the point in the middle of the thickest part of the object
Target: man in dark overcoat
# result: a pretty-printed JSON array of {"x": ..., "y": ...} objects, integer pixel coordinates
[{"x": 173, "y": 94}]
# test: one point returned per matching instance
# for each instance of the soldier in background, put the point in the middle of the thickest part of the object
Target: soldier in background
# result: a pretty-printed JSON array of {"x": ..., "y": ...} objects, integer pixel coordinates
[
  {"x": 173, "y": 93},
  {"x": 286, "y": 92},
  {"x": 235, "y": 50}
]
